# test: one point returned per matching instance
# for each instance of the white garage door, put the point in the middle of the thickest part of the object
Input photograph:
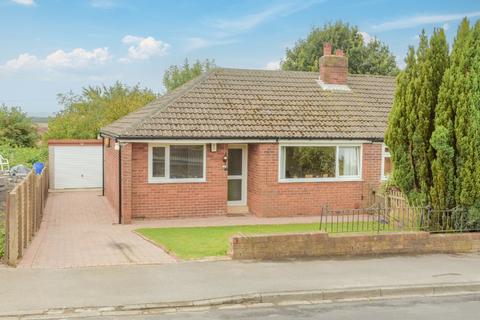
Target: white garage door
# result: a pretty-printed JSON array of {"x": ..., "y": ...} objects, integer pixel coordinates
[{"x": 77, "y": 167}]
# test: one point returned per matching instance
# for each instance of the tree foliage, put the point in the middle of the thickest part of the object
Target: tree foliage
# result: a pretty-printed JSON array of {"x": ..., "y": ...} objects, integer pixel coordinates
[
  {"x": 434, "y": 125},
  {"x": 444, "y": 167},
  {"x": 412, "y": 116},
  {"x": 83, "y": 115},
  {"x": 16, "y": 128},
  {"x": 372, "y": 57},
  {"x": 176, "y": 75}
]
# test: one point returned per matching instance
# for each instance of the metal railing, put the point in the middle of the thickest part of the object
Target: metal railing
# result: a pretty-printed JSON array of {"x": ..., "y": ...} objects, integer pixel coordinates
[{"x": 379, "y": 219}]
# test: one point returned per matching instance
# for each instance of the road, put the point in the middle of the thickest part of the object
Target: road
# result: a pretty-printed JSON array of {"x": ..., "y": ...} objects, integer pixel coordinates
[{"x": 432, "y": 308}]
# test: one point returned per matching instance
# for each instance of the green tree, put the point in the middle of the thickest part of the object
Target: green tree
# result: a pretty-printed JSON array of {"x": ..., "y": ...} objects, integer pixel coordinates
[
  {"x": 412, "y": 116},
  {"x": 373, "y": 57},
  {"x": 175, "y": 75},
  {"x": 16, "y": 128},
  {"x": 467, "y": 124},
  {"x": 400, "y": 129},
  {"x": 444, "y": 140},
  {"x": 83, "y": 115}
]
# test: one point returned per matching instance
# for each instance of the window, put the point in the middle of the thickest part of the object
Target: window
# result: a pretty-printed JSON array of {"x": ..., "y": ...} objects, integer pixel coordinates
[
  {"x": 386, "y": 163},
  {"x": 319, "y": 163},
  {"x": 176, "y": 163}
]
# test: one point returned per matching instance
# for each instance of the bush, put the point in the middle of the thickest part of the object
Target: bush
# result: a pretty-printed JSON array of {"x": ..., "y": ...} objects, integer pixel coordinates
[{"x": 25, "y": 156}]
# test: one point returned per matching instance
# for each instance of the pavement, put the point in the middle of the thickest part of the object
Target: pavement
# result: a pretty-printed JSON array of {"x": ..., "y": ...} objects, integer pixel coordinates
[
  {"x": 116, "y": 289},
  {"x": 419, "y": 308}
]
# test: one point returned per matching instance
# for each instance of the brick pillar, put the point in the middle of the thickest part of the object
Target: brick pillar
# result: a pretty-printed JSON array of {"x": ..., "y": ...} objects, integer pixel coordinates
[
  {"x": 372, "y": 162},
  {"x": 126, "y": 155}
]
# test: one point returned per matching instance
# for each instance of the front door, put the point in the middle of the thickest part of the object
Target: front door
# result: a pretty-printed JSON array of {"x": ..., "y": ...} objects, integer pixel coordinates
[{"x": 237, "y": 175}]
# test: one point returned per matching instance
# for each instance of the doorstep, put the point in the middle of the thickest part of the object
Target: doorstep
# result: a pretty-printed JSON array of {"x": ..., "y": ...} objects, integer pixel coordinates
[{"x": 238, "y": 211}]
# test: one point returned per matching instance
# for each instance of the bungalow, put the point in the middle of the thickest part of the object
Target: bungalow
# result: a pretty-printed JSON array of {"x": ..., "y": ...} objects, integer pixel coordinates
[{"x": 269, "y": 143}]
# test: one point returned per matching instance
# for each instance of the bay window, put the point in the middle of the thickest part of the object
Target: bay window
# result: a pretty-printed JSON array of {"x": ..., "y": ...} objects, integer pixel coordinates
[
  {"x": 176, "y": 163},
  {"x": 320, "y": 162}
]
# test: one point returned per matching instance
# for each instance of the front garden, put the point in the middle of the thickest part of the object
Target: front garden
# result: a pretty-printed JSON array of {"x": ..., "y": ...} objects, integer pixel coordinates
[{"x": 201, "y": 242}]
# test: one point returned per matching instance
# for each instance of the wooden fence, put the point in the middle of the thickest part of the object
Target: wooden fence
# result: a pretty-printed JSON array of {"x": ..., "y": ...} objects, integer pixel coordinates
[
  {"x": 397, "y": 206},
  {"x": 24, "y": 212}
]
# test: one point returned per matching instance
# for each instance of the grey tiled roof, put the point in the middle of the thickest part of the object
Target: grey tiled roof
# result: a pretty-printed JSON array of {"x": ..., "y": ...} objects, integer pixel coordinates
[{"x": 260, "y": 104}]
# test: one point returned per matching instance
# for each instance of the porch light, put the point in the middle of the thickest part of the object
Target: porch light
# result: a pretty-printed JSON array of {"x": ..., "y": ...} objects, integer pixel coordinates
[{"x": 213, "y": 147}]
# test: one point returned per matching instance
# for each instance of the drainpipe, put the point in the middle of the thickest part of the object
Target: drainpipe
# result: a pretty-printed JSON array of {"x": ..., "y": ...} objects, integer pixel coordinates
[
  {"x": 103, "y": 166},
  {"x": 119, "y": 183}
]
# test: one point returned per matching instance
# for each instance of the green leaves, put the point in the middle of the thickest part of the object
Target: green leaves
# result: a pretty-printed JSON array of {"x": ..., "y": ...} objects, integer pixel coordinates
[
  {"x": 434, "y": 125},
  {"x": 83, "y": 115},
  {"x": 16, "y": 128},
  {"x": 411, "y": 121},
  {"x": 175, "y": 76},
  {"x": 373, "y": 57}
]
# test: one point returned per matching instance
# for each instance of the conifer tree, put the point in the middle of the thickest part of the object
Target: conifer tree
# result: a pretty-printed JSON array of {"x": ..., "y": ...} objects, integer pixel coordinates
[
  {"x": 444, "y": 192},
  {"x": 399, "y": 130},
  {"x": 467, "y": 125},
  {"x": 411, "y": 120}
]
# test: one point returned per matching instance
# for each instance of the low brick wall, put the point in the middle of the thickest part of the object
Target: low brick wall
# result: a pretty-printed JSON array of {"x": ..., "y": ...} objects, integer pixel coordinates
[{"x": 320, "y": 244}]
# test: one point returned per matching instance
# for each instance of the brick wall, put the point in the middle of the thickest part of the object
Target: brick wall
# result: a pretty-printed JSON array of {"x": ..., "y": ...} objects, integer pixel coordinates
[
  {"x": 169, "y": 200},
  {"x": 319, "y": 244},
  {"x": 111, "y": 175},
  {"x": 267, "y": 197}
]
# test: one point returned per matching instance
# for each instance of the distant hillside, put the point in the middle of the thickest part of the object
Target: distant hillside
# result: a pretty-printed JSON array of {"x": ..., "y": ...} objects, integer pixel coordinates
[{"x": 39, "y": 119}]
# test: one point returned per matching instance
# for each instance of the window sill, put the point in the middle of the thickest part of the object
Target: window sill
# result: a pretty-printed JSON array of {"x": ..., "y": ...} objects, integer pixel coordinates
[
  {"x": 174, "y": 181},
  {"x": 317, "y": 180}
]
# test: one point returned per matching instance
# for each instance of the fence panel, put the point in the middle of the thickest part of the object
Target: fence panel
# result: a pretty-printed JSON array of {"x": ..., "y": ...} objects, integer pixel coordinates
[{"x": 24, "y": 213}]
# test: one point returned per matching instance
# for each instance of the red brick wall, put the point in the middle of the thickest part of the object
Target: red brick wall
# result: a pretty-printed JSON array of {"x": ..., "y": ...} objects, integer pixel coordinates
[
  {"x": 111, "y": 175},
  {"x": 177, "y": 199},
  {"x": 267, "y": 197}
]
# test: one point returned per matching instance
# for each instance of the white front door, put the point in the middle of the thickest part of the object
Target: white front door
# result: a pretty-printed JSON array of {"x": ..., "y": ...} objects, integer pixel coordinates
[{"x": 237, "y": 175}]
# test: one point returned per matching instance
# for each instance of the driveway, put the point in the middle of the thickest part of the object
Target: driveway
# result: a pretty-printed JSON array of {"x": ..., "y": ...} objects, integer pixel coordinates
[{"x": 78, "y": 230}]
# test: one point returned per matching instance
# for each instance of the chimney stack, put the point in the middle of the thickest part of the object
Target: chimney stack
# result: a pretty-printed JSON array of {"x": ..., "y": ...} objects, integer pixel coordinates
[{"x": 333, "y": 68}]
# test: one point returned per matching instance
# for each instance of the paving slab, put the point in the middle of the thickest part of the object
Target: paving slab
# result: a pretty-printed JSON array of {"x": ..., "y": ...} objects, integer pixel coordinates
[
  {"x": 79, "y": 230},
  {"x": 36, "y": 289}
]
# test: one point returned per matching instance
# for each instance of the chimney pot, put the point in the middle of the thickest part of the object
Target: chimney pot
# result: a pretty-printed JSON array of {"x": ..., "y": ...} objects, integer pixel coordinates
[
  {"x": 339, "y": 52},
  {"x": 327, "y": 49}
]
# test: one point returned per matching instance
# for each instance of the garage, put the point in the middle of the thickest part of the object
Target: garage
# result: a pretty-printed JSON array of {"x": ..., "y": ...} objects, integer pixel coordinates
[{"x": 75, "y": 164}]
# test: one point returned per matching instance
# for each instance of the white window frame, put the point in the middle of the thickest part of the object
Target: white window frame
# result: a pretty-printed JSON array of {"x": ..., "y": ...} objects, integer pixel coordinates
[
  {"x": 167, "y": 179},
  {"x": 384, "y": 155},
  {"x": 281, "y": 163}
]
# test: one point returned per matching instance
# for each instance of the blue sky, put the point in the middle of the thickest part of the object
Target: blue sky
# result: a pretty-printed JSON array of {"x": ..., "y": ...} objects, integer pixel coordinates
[{"x": 54, "y": 46}]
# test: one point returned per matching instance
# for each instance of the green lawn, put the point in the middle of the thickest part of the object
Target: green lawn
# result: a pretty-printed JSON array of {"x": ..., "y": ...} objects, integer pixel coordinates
[{"x": 200, "y": 242}]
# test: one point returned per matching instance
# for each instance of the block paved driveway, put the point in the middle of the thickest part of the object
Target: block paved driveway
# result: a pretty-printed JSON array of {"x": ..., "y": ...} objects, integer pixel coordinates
[{"x": 78, "y": 230}]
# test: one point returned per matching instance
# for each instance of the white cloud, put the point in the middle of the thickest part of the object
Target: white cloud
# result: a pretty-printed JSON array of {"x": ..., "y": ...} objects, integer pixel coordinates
[
  {"x": 200, "y": 43},
  {"x": 77, "y": 58},
  {"x": 413, "y": 21},
  {"x": 367, "y": 38},
  {"x": 25, "y": 60},
  {"x": 446, "y": 26},
  {"x": 27, "y": 3},
  {"x": 143, "y": 48},
  {"x": 273, "y": 65},
  {"x": 251, "y": 21}
]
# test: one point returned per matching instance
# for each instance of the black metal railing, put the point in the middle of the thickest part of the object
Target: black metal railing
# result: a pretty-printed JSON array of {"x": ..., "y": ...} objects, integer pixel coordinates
[{"x": 378, "y": 219}]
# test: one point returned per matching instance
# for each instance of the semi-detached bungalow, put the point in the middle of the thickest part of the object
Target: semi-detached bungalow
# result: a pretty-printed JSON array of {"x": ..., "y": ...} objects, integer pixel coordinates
[{"x": 270, "y": 143}]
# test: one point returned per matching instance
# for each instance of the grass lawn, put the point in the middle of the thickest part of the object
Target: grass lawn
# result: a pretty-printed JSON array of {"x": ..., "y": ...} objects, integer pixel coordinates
[{"x": 200, "y": 242}]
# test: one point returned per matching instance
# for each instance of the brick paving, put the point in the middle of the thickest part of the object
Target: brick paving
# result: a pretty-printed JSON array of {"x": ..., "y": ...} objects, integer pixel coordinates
[{"x": 79, "y": 231}]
